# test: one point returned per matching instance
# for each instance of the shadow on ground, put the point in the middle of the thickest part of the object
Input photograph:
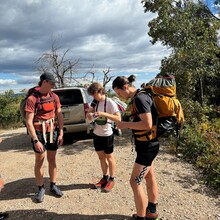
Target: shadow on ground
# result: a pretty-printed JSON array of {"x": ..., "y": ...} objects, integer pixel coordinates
[
  {"x": 78, "y": 142},
  {"x": 24, "y": 188},
  {"x": 43, "y": 214},
  {"x": 16, "y": 141},
  {"x": 21, "y": 141}
]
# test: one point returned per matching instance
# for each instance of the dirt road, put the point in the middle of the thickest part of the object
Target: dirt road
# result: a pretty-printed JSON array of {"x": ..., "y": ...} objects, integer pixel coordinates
[{"x": 181, "y": 194}]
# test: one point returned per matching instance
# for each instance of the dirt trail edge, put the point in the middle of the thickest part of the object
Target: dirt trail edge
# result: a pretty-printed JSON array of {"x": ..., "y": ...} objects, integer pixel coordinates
[{"x": 181, "y": 193}]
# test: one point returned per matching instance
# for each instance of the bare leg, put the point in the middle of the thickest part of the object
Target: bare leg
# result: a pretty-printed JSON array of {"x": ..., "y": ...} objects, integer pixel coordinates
[
  {"x": 51, "y": 157},
  {"x": 137, "y": 176},
  {"x": 151, "y": 183},
  {"x": 112, "y": 164},
  {"x": 38, "y": 168},
  {"x": 103, "y": 162}
]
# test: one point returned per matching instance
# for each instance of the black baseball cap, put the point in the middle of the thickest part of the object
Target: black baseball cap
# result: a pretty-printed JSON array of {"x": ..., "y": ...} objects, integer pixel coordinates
[{"x": 47, "y": 76}]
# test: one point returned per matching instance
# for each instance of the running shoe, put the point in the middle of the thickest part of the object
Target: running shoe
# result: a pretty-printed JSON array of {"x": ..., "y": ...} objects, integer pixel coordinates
[
  {"x": 108, "y": 187},
  {"x": 151, "y": 215},
  {"x": 56, "y": 191},
  {"x": 101, "y": 183},
  {"x": 39, "y": 196},
  {"x": 3, "y": 215},
  {"x": 134, "y": 217}
]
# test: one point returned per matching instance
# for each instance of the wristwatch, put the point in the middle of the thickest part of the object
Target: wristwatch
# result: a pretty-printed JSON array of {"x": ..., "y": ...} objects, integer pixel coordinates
[{"x": 35, "y": 141}]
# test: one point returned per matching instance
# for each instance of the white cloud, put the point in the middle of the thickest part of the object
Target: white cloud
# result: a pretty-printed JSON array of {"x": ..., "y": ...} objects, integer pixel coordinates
[
  {"x": 107, "y": 33},
  {"x": 9, "y": 82},
  {"x": 30, "y": 2}
]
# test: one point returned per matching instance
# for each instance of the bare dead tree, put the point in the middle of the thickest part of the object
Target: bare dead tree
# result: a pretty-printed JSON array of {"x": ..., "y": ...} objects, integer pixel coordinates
[
  {"x": 107, "y": 78},
  {"x": 58, "y": 64},
  {"x": 92, "y": 73},
  {"x": 65, "y": 69}
]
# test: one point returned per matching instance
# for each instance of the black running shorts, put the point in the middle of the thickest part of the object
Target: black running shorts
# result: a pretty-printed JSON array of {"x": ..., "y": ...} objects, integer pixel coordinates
[
  {"x": 105, "y": 143},
  {"x": 146, "y": 152},
  {"x": 47, "y": 146}
]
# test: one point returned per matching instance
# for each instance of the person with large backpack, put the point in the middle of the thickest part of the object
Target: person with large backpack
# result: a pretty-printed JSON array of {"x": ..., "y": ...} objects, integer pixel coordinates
[
  {"x": 43, "y": 113},
  {"x": 103, "y": 111},
  {"x": 144, "y": 116}
]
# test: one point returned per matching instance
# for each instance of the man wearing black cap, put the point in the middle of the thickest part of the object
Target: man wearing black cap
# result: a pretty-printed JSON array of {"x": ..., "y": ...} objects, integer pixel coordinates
[
  {"x": 42, "y": 108},
  {"x": 47, "y": 76}
]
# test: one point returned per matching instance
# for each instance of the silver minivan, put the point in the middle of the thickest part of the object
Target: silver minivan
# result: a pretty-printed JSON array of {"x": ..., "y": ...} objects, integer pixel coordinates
[{"x": 75, "y": 104}]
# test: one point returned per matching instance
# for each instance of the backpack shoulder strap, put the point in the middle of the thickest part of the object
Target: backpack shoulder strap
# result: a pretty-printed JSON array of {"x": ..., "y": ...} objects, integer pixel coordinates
[
  {"x": 98, "y": 105},
  {"x": 93, "y": 104},
  {"x": 35, "y": 92},
  {"x": 139, "y": 91},
  {"x": 146, "y": 91},
  {"x": 37, "y": 95},
  {"x": 53, "y": 96}
]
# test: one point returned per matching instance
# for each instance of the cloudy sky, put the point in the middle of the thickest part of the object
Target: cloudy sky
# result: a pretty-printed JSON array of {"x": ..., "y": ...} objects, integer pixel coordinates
[{"x": 101, "y": 33}]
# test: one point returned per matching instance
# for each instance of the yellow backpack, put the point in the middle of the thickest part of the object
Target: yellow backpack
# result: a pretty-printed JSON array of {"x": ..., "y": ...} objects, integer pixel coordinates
[{"x": 170, "y": 112}]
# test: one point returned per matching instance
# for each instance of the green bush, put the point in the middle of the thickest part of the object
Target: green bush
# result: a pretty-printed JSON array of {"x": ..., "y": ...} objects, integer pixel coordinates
[
  {"x": 209, "y": 161},
  {"x": 192, "y": 143},
  {"x": 9, "y": 110},
  {"x": 199, "y": 143}
]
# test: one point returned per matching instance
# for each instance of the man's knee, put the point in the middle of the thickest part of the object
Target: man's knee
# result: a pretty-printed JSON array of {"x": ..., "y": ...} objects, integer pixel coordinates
[
  {"x": 137, "y": 180},
  {"x": 109, "y": 157},
  {"x": 101, "y": 157},
  {"x": 39, "y": 159},
  {"x": 39, "y": 163},
  {"x": 133, "y": 183},
  {"x": 150, "y": 176}
]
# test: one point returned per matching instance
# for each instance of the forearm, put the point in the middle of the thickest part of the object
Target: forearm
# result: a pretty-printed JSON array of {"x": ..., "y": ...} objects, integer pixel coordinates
[
  {"x": 31, "y": 131},
  {"x": 60, "y": 123},
  {"x": 60, "y": 131},
  {"x": 145, "y": 123},
  {"x": 115, "y": 118},
  {"x": 140, "y": 125},
  {"x": 30, "y": 125}
]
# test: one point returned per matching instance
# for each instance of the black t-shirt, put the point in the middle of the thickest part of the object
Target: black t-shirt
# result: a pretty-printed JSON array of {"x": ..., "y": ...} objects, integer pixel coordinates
[{"x": 144, "y": 104}]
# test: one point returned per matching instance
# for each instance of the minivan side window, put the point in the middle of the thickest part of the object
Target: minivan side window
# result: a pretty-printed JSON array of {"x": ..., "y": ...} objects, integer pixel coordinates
[{"x": 66, "y": 99}]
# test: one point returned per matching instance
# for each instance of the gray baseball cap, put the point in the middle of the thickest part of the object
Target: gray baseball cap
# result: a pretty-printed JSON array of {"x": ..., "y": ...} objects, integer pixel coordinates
[{"x": 47, "y": 76}]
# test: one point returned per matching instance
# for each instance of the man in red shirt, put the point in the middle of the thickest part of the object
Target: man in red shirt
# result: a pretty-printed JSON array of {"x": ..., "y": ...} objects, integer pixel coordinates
[{"x": 42, "y": 108}]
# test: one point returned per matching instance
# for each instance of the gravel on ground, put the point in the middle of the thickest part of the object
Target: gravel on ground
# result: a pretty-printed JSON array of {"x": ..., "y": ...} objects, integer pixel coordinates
[{"x": 182, "y": 195}]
